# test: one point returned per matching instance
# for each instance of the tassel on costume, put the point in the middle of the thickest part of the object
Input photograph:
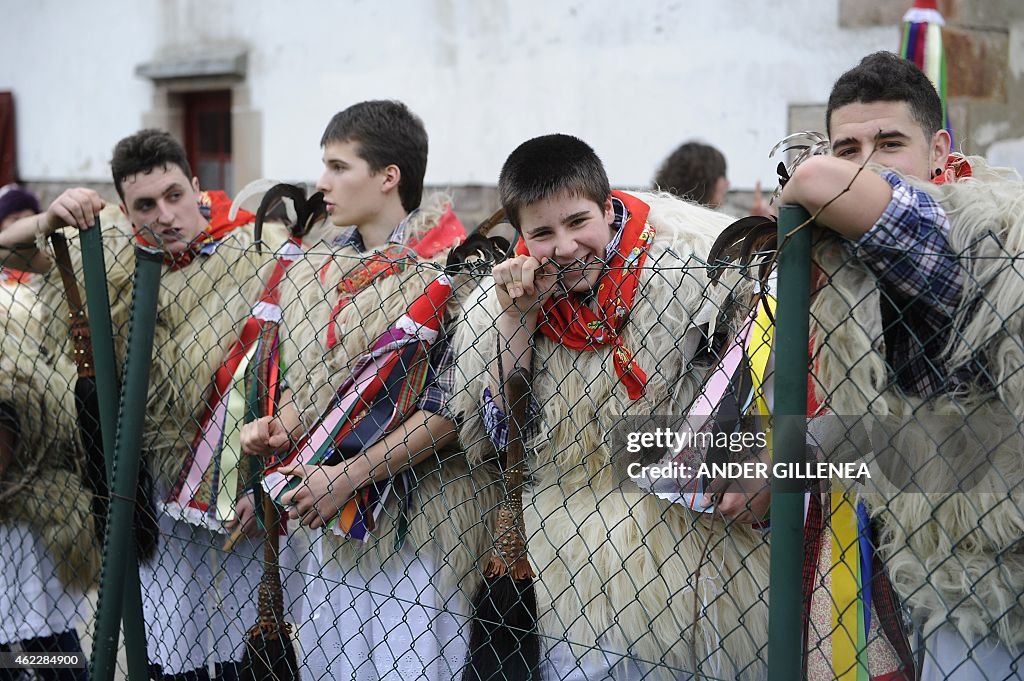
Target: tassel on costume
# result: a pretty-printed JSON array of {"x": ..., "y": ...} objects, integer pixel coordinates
[
  {"x": 269, "y": 652},
  {"x": 503, "y": 642}
]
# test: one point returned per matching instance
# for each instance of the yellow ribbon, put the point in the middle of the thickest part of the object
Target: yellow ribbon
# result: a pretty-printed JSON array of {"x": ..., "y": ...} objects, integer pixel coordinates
[
  {"x": 848, "y": 644},
  {"x": 759, "y": 349},
  {"x": 849, "y": 661}
]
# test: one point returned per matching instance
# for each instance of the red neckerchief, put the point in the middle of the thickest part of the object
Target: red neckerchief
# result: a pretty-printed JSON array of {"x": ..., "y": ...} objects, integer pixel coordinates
[
  {"x": 215, "y": 206},
  {"x": 957, "y": 168},
  {"x": 571, "y": 323}
]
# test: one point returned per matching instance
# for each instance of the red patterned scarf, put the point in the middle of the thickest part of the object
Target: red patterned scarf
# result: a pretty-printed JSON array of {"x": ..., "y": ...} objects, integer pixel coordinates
[
  {"x": 448, "y": 232},
  {"x": 957, "y": 168},
  {"x": 392, "y": 260},
  {"x": 570, "y": 322}
]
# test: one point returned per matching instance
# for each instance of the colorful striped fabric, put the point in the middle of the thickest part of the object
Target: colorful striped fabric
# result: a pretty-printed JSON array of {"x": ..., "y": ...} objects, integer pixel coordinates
[
  {"x": 381, "y": 392},
  {"x": 851, "y": 587},
  {"x": 209, "y": 481},
  {"x": 733, "y": 391},
  {"x": 922, "y": 44}
]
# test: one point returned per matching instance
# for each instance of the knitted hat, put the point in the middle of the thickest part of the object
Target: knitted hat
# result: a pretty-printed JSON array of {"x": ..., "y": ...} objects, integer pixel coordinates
[{"x": 14, "y": 199}]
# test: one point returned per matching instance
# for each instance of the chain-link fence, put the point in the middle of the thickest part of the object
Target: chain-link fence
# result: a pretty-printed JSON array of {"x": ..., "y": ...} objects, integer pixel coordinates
[
  {"x": 915, "y": 359},
  {"x": 448, "y": 524}
]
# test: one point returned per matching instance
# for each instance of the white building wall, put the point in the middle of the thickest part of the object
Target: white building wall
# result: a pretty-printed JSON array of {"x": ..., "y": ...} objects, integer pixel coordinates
[
  {"x": 71, "y": 67},
  {"x": 632, "y": 78}
]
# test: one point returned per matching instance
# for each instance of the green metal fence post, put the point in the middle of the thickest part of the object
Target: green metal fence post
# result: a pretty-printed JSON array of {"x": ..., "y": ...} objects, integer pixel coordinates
[
  {"x": 118, "y": 545},
  {"x": 785, "y": 604},
  {"x": 97, "y": 301},
  {"x": 94, "y": 271}
]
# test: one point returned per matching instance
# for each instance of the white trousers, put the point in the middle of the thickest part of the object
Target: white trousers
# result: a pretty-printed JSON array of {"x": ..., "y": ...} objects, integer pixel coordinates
[
  {"x": 33, "y": 600},
  {"x": 390, "y": 624},
  {"x": 948, "y": 656}
]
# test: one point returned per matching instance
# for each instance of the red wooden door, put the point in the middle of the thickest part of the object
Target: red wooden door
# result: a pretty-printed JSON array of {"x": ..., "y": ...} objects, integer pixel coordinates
[{"x": 208, "y": 138}]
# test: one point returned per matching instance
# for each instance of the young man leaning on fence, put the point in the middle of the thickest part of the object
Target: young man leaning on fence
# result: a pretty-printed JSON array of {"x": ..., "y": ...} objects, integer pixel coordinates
[
  {"x": 920, "y": 321},
  {"x": 366, "y": 429},
  {"x": 198, "y": 600},
  {"x": 604, "y": 307}
]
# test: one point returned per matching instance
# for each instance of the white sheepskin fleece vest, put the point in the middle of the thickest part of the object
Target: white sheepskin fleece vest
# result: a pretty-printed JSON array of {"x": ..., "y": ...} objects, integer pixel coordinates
[
  {"x": 953, "y": 556},
  {"x": 202, "y": 307},
  {"x": 450, "y": 499},
  {"x": 626, "y": 571},
  {"x": 42, "y": 484}
]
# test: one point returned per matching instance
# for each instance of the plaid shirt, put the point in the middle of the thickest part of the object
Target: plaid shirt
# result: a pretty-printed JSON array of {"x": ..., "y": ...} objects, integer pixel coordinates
[
  {"x": 350, "y": 236},
  {"x": 922, "y": 283},
  {"x": 440, "y": 385}
]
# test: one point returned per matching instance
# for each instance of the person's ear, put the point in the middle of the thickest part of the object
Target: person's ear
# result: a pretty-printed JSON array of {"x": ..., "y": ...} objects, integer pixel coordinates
[
  {"x": 391, "y": 176},
  {"x": 940, "y": 147},
  {"x": 721, "y": 190},
  {"x": 609, "y": 211},
  {"x": 124, "y": 209}
]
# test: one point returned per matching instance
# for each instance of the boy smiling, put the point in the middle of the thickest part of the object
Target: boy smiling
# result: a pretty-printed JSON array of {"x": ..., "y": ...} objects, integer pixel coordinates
[{"x": 603, "y": 306}]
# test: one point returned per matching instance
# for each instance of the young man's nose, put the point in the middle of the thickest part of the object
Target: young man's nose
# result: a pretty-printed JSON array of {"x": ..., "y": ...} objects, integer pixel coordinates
[
  {"x": 321, "y": 185},
  {"x": 164, "y": 214},
  {"x": 565, "y": 249}
]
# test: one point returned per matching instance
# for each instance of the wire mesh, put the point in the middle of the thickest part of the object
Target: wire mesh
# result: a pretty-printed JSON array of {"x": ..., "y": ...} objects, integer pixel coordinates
[{"x": 630, "y": 583}]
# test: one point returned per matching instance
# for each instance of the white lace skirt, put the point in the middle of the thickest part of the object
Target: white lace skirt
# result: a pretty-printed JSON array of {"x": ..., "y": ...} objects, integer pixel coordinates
[
  {"x": 33, "y": 600},
  {"x": 948, "y": 656},
  {"x": 392, "y": 624},
  {"x": 199, "y": 601}
]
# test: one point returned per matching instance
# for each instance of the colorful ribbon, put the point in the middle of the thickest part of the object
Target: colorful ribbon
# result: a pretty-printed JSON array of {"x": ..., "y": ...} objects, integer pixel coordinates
[
  {"x": 208, "y": 484},
  {"x": 381, "y": 393},
  {"x": 921, "y": 43},
  {"x": 851, "y": 588}
]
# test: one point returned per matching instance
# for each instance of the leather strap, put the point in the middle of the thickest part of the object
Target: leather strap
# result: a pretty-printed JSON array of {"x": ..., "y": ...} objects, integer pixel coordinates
[{"x": 80, "y": 335}]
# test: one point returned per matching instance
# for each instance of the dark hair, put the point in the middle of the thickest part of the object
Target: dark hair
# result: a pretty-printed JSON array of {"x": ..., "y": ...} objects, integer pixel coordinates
[
  {"x": 692, "y": 171},
  {"x": 887, "y": 77},
  {"x": 143, "y": 151},
  {"x": 547, "y": 166},
  {"x": 387, "y": 134}
]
